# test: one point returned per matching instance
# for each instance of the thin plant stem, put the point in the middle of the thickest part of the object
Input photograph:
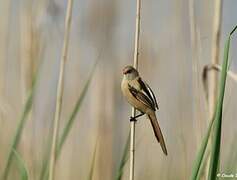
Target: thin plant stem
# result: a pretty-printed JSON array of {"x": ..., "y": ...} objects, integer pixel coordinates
[
  {"x": 215, "y": 59},
  {"x": 215, "y": 56},
  {"x": 60, "y": 89},
  {"x": 135, "y": 64}
]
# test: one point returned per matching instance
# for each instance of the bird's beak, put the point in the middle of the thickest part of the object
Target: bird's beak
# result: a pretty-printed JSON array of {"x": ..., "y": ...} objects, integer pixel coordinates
[{"x": 124, "y": 71}]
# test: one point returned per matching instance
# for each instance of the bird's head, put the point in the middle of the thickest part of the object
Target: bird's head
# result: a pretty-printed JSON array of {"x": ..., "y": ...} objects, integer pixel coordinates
[{"x": 130, "y": 72}]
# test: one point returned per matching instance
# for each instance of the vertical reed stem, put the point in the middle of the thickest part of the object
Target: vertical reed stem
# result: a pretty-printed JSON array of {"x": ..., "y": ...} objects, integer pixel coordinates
[
  {"x": 215, "y": 59},
  {"x": 135, "y": 64},
  {"x": 60, "y": 89}
]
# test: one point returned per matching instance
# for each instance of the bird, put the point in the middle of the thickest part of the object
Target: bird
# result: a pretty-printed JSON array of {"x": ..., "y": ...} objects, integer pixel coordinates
[{"x": 139, "y": 94}]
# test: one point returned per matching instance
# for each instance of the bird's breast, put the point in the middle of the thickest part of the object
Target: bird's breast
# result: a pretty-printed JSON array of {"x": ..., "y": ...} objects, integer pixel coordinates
[{"x": 129, "y": 97}]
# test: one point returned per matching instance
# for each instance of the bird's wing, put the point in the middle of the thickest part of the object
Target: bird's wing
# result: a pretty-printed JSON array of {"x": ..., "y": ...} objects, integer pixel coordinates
[
  {"x": 142, "y": 97},
  {"x": 153, "y": 95},
  {"x": 146, "y": 88}
]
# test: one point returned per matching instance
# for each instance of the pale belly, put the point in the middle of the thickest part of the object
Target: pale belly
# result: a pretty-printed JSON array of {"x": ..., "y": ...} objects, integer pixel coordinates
[{"x": 131, "y": 99}]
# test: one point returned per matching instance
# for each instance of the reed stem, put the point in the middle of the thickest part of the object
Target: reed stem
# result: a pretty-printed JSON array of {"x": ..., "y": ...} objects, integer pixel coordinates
[
  {"x": 60, "y": 89},
  {"x": 135, "y": 64},
  {"x": 215, "y": 59}
]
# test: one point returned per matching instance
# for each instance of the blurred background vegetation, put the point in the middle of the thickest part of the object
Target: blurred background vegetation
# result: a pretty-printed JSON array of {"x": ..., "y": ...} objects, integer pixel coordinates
[{"x": 31, "y": 37}]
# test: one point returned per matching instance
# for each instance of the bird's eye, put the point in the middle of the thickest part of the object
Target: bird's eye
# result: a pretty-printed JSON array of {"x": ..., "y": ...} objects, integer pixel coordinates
[{"x": 129, "y": 71}]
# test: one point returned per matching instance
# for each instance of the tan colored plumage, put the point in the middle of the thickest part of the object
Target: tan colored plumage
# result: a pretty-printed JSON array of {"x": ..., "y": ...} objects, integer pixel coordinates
[
  {"x": 140, "y": 96},
  {"x": 157, "y": 131}
]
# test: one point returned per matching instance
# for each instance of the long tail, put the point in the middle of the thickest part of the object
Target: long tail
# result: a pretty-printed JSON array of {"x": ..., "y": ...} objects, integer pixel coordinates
[{"x": 157, "y": 131}]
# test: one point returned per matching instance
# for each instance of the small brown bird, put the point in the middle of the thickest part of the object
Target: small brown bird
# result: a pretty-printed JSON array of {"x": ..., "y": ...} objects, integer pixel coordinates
[{"x": 139, "y": 95}]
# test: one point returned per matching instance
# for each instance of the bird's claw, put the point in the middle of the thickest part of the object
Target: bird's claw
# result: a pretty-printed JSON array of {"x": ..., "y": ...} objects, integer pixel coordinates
[{"x": 133, "y": 119}]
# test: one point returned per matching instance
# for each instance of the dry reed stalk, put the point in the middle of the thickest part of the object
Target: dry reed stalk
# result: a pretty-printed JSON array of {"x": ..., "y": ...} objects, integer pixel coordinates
[
  {"x": 215, "y": 59},
  {"x": 60, "y": 89},
  {"x": 135, "y": 64}
]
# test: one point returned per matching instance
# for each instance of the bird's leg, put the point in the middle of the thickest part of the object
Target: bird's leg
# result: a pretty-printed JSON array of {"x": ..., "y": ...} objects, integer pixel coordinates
[
  {"x": 139, "y": 115},
  {"x": 134, "y": 118}
]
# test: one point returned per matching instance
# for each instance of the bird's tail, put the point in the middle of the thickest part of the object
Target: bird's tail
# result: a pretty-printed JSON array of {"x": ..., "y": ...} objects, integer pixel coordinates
[{"x": 157, "y": 131}]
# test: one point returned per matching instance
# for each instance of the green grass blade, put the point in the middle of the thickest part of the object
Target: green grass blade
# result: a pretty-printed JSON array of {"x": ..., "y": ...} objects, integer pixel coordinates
[
  {"x": 68, "y": 126},
  {"x": 215, "y": 150},
  {"x": 201, "y": 172},
  {"x": 21, "y": 165},
  {"x": 20, "y": 126},
  {"x": 76, "y": 109},
  {"x": 93, "y": 163},
  {"x": 44, "y": 171},
  {"x": 215, "y": 126},
  {"x": 18, "y": 133},
  {"x": 123, "y": 160},
  {"x": 200, "y": 156}
]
